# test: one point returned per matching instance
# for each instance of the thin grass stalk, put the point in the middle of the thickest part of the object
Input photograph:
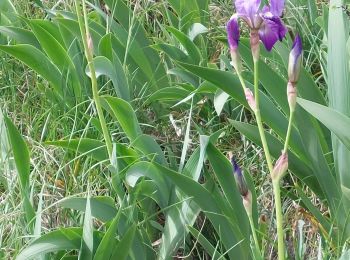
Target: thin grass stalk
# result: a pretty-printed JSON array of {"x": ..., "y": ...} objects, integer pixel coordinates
[{"x": 87, "y": 42}]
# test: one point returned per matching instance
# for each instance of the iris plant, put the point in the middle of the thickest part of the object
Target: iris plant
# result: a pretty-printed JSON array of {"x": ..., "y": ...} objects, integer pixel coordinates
[{"x": 265, "y": 24}]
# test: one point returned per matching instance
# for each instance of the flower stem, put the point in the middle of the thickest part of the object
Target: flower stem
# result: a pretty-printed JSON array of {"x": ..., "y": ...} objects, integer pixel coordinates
[
  {"x": 290, "y": 126},
  {"x": 85, "y": 34},
  {"x": 258, "y": 117},
  {"x": 276, "y": 184},
  {"x": 279, "y": 218},
  {"x": 252, "y": 227}
]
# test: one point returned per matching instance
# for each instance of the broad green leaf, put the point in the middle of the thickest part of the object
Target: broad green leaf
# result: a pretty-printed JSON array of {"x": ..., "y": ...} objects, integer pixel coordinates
[
  {"x": 125, "y": 115},
  {"x": 186, "y": 42},
  {"x": 123, "y": 248},
  {"x": 209, "y": 248},
  {"x": 149, "y": 147},
  {"x": 335, "y": 121},
  {"x": 338, "y": 80},
  {"x": 55, "y": 241},
  {"x": 21, "y": 155},
  {"x": 219, "y": 100},
  {"x": 64, "y": 239},
  {"x": 104, "y": 66},
  {"x": 318, "y": 161},
  {"x": 105, "y": 249},
  {"x": 231, "y": 237},
  {"x": 145, "y": 169},
  {"x": 87, "y": 240},
  {"x": 37, "y": 61},
  {"x": 224, "y": 173},
  {"x": 58, "y": 55},
  {"x": 20, "y": 35},
  {"x": 168, "y": 94},
  {"x": 102, "y": 208}
]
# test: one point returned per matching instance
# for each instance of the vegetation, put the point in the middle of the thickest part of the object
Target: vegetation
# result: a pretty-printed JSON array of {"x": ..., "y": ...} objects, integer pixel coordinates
[{"x": 152, "y": 130}]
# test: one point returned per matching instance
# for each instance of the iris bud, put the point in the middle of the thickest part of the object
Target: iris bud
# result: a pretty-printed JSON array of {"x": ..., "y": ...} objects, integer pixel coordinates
[
  {"x": 240, "y": 181},
  {"x": 295, "y": 58},
  {"x": 281, "y": 167},
  {"x": 233, "y": 40}
]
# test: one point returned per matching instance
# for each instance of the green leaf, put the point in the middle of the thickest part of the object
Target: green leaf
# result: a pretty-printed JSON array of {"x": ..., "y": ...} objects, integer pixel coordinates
[
  {"x": 125, "y": 115},
  {"x": 190, "y": 47},
  {"x": 58, "y": 55},
  {"x": 338, "y": 123},
  {"x": 338, "y": 73},
  {"x": 37, "y": 61},
  {"x": 123, "y": 249},
  {"x": 21, "y": 155},
  {"x": 20, "y": 35},
  {"x": 145, "y": 169},
  {"x": 224, "y": 172},
  {"x": 104, "y": 66},
  {"x": 87, "y": 240},
  {"x": 318, "y": 161},
  {"x": 102, "y": 208},
  {"x": 105, "y": 249},
  {"x": 168, "y": 94},
  {"x": 63, "y": 239},
  {"x": 209, "y": 248},
  {"x": 230, "y": 236}
]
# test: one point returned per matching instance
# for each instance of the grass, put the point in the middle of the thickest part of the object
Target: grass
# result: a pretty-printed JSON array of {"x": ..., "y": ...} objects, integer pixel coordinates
[{"x": 62, "y": 174}]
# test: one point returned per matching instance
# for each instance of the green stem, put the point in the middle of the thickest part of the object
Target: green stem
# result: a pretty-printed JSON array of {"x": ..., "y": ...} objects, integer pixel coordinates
[
  {"x": 258, "y": 117},
  {"x": 279, "y": 218},
  {"x": 276, "y": 185},
  {"x": 290, "y": 126},
  {"x": 252, "y": 227},
  {"x": 84, "y": 29}
]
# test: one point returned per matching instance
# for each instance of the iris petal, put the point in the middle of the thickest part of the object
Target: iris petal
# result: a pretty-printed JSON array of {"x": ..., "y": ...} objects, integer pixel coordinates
[
  {"x": 248, "y": 8},
  {"x": 271, "y": 31},
  {"x": 276, "y": 7},
  {"x": 233, "y": 32}
]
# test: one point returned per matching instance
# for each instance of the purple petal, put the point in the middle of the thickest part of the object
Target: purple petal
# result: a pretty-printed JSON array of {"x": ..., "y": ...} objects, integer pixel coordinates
[
  {"x": 297, "y": 47},
  {"x": 295, "y": 60},
  {"x": 271, "y": 31},
  {"x": 276, "y": 7},
  {"x": 247, "y": 8},
  {"x": 240, "y": 181},
  {"x": 233, "y": 32}
]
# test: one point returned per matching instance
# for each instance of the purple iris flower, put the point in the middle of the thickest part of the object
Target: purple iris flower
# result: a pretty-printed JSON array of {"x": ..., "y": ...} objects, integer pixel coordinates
[
  {"x": 240, "y": 181},
  {"x": 266, "y": 21}
]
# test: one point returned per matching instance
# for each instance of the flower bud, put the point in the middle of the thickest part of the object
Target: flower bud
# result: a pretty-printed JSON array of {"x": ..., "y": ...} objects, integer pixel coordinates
[
  {"x": 255, "y": 44},
  {"x": 250, "y": 99},
  {"x": 295, "y": 58},
  {"x": 240, "y": 181},
  {"x": 281, "y": 167},
  {"x": 233, "y": 40}
]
